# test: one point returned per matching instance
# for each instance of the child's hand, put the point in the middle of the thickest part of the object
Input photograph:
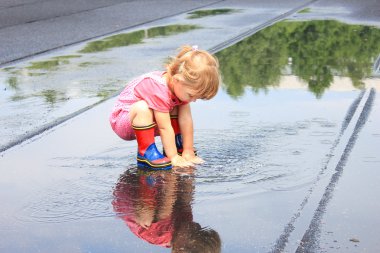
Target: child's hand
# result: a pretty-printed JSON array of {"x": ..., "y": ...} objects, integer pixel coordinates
[
  {"x": 191, "y": 157},
  {"x": 145, "y": 217},
  {"x": 179, "y": 161}
]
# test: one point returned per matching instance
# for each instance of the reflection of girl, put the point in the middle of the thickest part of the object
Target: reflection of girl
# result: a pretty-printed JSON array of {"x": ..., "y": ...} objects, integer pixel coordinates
[{"x": 157, "y": 208}]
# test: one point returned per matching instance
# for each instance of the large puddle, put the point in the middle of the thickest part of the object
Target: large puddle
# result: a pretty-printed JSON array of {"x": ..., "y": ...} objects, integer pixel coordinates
[{"x": 266, "y": 138}]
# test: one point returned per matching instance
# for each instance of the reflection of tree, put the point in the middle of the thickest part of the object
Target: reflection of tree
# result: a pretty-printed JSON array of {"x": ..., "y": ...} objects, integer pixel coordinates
[
  {"x": 51, "y": 96},
  {"x": 213, "y": 12},
  {"x": 13, "y": 82},
  {"x": 51, "y": 64},
  {"x": 169, "y": 30},
  {"x": 254, "y": 62},
  {"x": 319, "y": 50},
  {"x": 156, "y": 206},
  {"x": 137, "y": 37},
  {"x": 120, "y": 40}
]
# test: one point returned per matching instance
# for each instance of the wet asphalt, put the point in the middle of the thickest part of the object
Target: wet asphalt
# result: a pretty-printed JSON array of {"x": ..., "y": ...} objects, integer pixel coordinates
[
  {"x": 342, "y": 210},
  {"x": 32, "y": 27}
]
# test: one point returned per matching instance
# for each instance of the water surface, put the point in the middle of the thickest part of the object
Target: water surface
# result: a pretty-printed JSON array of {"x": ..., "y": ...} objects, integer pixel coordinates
[{"x": 266, "y": 138}]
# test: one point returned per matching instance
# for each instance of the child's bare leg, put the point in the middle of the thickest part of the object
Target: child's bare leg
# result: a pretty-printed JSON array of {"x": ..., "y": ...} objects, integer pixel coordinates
[{"x": 140, "y": 114}]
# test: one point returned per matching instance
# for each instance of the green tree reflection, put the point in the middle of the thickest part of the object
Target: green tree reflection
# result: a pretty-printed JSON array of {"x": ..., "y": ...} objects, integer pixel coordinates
[
  {"x": 51, "y": 96},
  {"x": 319, "y": 51},
  {"x": 137, "y": 37}
]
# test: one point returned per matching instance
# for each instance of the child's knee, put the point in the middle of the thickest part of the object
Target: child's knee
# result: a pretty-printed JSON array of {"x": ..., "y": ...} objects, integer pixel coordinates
[{"x": 141, "y": 109}]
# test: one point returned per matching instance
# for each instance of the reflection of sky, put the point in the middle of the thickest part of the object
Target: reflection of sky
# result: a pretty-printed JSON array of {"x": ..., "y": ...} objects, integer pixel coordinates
[{"x": 267, "y": 106}]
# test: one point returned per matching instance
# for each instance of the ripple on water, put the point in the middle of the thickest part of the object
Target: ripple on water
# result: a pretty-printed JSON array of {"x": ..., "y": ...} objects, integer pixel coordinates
[
  {"x": 82, "y": 190},
  {"x": 303, "y": 124},
  {"x": 323, "y": 133},
  {"x": 326, "y": 142},
  {"x": 261, "y": 157},
  {"x": 67, "y": 202},
  {"x": 237, "y": 161},
  {"x": 324, "y": 122}
]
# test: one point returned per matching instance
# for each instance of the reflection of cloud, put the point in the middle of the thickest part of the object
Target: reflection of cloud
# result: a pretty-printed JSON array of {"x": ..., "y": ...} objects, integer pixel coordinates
[
  {"x": 339, "y": 83},
  {"x": 136, "y": 37},
  {"x": 376, "y": 66}
]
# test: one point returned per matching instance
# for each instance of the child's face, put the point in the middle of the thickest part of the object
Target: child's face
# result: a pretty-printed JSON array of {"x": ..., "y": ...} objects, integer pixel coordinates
[{"x": 183, "y": 92}]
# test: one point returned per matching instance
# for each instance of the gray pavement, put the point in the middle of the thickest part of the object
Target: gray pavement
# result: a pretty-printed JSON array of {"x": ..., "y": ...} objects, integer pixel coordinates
[
  {"x": 28, "y": 28},
  {"x": 367, "y": 10}
]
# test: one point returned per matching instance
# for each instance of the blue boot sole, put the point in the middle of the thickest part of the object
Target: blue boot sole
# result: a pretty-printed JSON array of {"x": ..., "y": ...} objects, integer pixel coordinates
[
  {"x": 152, "y": 154},
  {"x": 146, "y": 165}
]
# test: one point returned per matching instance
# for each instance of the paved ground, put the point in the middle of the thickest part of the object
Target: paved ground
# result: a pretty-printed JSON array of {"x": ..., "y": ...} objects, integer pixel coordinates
[{"x": 32, "y": 27}]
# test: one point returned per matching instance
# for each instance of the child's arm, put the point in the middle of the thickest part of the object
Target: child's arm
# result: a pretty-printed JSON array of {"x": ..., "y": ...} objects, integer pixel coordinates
[
  {"x": 168, "y": 139},
  {"x": 168, "y": 197},
  {"x": 185, "y": 121}
]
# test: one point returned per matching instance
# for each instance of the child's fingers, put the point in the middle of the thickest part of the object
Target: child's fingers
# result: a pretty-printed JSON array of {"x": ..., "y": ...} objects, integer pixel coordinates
[
  {"x": 197, "y": 160},
  {"x": 179, "y": 161},
  {"x": 193, "y": 158}
]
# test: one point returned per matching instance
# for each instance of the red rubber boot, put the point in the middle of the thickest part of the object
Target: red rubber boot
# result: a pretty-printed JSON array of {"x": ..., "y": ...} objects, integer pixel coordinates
[
  {"x": 148, "y": 155},
  {"x": 177, "y": 133}
]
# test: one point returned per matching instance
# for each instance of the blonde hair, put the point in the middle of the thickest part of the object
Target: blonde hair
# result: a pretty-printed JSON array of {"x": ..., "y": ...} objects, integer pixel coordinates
[{"x": 198, "y": 69}]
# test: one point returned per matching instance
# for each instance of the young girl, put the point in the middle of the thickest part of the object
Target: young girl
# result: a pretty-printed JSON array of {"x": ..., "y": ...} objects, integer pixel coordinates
[{"x": 160, "y": 101}]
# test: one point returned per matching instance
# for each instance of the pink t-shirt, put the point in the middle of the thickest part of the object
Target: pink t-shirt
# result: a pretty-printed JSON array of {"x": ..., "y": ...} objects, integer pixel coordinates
[
  {"x": 153, "y": 89},
  {"x": 158, "y": 233}
]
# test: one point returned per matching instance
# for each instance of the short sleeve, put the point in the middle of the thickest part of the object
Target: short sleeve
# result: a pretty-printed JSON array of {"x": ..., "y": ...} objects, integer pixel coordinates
[{"x": 156, "y": 95}]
